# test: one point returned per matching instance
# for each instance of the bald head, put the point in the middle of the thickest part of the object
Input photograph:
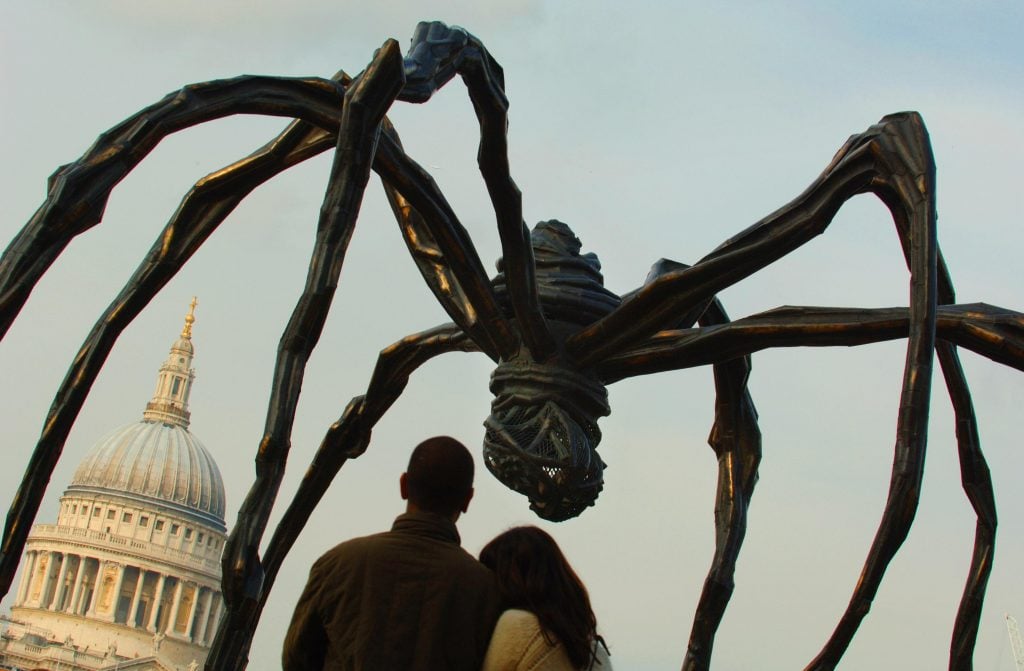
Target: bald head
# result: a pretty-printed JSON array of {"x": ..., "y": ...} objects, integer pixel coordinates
[{"x": 439, "y": 478}]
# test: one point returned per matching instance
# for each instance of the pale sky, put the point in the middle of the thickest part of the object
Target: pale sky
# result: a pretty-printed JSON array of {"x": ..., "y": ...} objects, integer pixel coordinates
[{"x": 654, "y": 132}]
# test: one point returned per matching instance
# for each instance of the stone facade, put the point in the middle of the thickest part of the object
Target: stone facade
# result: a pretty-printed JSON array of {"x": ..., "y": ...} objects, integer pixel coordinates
[{"x": 129, "y": 576}]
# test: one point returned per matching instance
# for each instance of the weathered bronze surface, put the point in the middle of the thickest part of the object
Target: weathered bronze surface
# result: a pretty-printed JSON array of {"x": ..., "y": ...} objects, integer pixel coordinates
[{"x": 556, "y": 334}]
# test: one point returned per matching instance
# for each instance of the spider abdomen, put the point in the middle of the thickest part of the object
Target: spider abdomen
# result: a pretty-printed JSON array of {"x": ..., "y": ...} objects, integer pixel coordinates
[{"x": 541, "y": 436}]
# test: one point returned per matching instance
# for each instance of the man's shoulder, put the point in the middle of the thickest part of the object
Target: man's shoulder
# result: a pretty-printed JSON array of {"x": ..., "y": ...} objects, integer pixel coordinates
[
  {"x": 399, "y": 542},
  {"x": 348, "y": 550},
  {"x": 469, "y": 566}
]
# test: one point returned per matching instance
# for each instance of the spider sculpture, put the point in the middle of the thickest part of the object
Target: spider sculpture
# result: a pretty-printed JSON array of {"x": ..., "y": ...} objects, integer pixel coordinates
[{"x": 557, "y": 335}]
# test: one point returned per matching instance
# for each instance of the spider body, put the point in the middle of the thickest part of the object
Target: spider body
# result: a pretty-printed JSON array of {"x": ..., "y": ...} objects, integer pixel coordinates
[
  {"x": 557, "y": 335},
  {"x": 542, "y": 435}
]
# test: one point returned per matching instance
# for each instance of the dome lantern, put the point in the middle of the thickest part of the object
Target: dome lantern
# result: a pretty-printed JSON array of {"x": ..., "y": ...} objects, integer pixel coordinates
[{"x": 174, "y": 381}]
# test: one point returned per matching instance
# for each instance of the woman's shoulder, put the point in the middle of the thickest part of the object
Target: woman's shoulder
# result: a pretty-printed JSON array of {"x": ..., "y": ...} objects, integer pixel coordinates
[
  {"x": 518, "y": 618},
  {"x": 519, "y": 643},
  {"x": 518, "y": 628}
]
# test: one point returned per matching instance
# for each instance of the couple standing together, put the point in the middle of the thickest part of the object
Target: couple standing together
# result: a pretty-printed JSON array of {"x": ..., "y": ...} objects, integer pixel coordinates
[{"x": 411, "y": 599}]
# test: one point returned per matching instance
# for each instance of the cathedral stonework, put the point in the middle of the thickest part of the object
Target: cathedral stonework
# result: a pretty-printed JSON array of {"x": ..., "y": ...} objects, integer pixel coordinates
[{"x": 129, "y": 576}]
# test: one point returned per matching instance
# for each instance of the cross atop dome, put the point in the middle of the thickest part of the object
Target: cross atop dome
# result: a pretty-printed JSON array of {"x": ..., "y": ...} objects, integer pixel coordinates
[{"x": 190, "y": 319}]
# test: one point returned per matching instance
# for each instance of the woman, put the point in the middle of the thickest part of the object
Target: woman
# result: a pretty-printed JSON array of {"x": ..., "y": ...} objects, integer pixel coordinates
[{"x": 549, "y": 624}]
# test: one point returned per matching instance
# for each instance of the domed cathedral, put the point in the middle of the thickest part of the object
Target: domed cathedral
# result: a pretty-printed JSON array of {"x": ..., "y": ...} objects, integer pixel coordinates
[{"x": 129, "y": 576}]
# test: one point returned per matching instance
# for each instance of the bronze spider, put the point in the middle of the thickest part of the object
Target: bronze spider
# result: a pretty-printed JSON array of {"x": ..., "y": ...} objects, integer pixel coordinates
[{"x": 557, "y": 335}]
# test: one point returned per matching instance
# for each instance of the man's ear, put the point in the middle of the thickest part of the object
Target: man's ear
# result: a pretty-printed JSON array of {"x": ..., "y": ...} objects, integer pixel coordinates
[
  {"x": 403, "y": 487},
  {"x": 469, "y": 497}
]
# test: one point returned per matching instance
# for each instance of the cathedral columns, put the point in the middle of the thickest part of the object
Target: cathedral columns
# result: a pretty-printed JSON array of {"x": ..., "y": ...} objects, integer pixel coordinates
[
  {"x": 30, "y": 566},
  {"x": 116, "y": 597},
  {"x": 200, "y": 637},
  {"x": 76, "y": 592},
  {"x": 47, "y": 563},
  {"x": 133, "y": 610},
  {"x": 94, "y": 597},
  {"x": 218, "y": 603},
  {"x": 174, "y": 607},
  {"x": 193, "y": 610},
  {"x": 155, "y": 608},
  {"x": 58, "y": 592},
  {"x": 72, "y": 582}
]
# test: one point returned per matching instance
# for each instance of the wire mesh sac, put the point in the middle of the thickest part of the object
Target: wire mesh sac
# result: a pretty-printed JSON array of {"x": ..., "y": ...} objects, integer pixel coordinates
[{"x": 541, "y": 437}]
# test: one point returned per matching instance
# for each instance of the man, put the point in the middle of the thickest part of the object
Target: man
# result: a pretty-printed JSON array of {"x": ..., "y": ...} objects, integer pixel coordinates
[{"x": 410, "y": 599}]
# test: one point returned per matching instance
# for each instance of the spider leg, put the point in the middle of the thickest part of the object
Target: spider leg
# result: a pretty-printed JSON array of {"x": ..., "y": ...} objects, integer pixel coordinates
[
  {"x": 78, "y": 192},
  {"x": 974, "y": 473},
  {"x": 442, "y": 249},
  {"x": 891, "y": 159},
  {"x": 736, "y": 440},
  {"x": 77, "y": 197},
  {"x": 201, "y": 211},
  {"x": 366, "y": 101},
  {"x": 346, "y": 439},
  {"x": 976, "y": 482},
  {"x": 437, "y": 53},
  {"x": 993, "y": 332}
]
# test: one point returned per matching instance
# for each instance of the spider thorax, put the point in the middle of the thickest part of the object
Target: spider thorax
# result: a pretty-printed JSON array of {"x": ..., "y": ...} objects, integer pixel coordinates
[{"x": 541, "y": 437}]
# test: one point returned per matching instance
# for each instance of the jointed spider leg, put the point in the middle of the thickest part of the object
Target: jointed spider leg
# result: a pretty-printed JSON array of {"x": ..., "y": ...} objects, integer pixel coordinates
[
  {"x": 910, "y": 195},
  {"x": 484, "y": 79},
  {"x": 993, "y": 332},
  {"x": 977, "y": 484},
  {"x": 345, "y": 439},
  {"x": 893, "y": 160},
  {"x": 736, "y": 440},
  {"x": 442, "y": 249},
  {"x": 366, "y": 101},
  {"x": 491, "y": 108},
  {"x": 78, "y": 192},
  {"x": 201, "y": 211},
  {"x": 867, "y": 162},
  {"x": 975, "y": 477}
]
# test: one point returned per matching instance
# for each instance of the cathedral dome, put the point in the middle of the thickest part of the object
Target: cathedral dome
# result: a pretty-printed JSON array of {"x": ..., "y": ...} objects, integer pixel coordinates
[
  {"x": 158, "y": 459},
  {"x": 129, "y": 576},
  {"x": 155, "y": 461}
]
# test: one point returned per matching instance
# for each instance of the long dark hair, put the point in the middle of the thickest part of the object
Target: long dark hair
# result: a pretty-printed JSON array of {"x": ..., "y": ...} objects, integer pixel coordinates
[{"x": 534, "y": 575}]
